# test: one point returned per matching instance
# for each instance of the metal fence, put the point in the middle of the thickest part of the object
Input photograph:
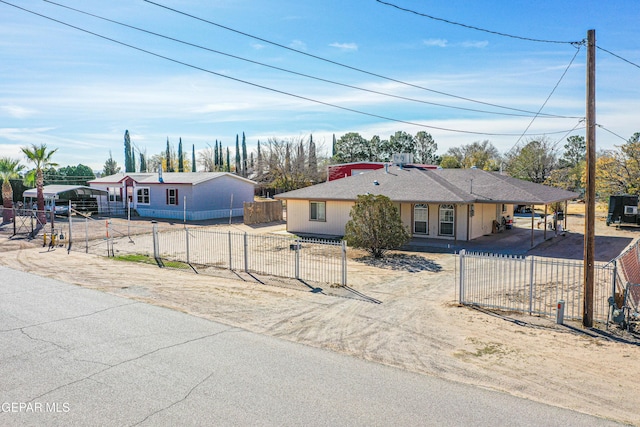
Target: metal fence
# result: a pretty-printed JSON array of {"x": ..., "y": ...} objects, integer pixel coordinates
[
  {"x": 532, "y": 285},
  {"x": 204, "y": 249}
]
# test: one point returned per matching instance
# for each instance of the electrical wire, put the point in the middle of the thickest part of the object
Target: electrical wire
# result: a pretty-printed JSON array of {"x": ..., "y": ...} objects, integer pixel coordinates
[
  {"x": 360, "y": 70},
  {"x": 548, "y": 97},
  {"x": 618, "y": 56},
  {"x": 477, "y": 28},
  {"x": 256, "y": 84},
  {"x": 404, "y": 98},
  {"x": 612, "y": 132}
]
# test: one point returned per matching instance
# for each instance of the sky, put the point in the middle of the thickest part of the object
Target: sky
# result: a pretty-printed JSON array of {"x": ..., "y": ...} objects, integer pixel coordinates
[{"x": 77, "y": 82}]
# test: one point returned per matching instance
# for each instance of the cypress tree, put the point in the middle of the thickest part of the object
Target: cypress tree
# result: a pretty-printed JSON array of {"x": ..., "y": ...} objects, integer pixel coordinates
[
  {"x": 228, "y": 161},
  {"x": 216, "y": 157},
  {"x": 180, "y": 157},
  {"x": 143, "y": 163},
  {"x": 168, "y": 157},
  {"x": 238, "y": 167},
  {"x": 313, "y": 160},
  {"x": 127, "y": 152},
  {"x": 244, "y": 156},
  {"x": 193, "y": 157}
]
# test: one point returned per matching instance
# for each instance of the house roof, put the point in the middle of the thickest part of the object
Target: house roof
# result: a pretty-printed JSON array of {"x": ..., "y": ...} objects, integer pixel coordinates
[
  {"x": 434, "y": 186},
  {"x": 192, "y": 178},
  {"x": 52, "y": 190}
]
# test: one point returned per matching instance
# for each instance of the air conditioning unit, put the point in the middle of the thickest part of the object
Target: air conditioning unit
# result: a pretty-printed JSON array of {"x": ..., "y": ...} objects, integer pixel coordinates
[
  {"x": 630, "y": 210},
  {"x": 402, "y": 158}
]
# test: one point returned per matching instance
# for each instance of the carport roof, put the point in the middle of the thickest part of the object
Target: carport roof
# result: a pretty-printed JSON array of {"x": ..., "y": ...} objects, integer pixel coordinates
[
  {"x": 53, "y": 190},
  {"x": 434, "y": 186}
]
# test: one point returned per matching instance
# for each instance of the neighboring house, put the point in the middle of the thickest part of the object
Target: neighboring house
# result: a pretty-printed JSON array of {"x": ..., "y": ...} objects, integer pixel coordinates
[
  {"x": 58, "y": 197},
  {"x": 344, "y": 170},
  {"x": 188, "y": 195},
  {"x": 456, "y": 204}
]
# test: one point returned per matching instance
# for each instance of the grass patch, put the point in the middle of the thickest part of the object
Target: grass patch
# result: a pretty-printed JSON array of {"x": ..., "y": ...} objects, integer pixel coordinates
[{"x": 146, "y": 259}]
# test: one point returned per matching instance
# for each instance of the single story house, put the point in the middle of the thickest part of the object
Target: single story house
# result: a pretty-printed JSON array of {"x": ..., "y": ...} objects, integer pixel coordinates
[
  {"x": 455, "y": 204},
  {"x": 177, "y": 195},
  {"x": 58, "y": 197}
]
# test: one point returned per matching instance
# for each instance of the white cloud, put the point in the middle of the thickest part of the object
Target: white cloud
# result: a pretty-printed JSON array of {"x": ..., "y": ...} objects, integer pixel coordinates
[
  {"x": 436, "y": 42},
  {"x": 345, "y": 46},
  {"x": 16, "y": 111},
  {"x": 297, "y": 44},
  {"x": 258, "y": 46},
  {"x": 478, "y": 44}
]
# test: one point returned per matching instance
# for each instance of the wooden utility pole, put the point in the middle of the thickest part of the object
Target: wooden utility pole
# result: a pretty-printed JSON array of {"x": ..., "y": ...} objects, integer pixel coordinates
[{"x": 590, "y": 205}]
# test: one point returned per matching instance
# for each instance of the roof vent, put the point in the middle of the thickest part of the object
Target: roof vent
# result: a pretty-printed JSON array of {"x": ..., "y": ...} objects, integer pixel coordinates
[{"x": 376, "y": 182}]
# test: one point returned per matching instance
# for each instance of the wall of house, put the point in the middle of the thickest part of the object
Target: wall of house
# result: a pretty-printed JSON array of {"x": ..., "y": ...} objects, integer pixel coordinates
[
  {"x": 336, "y": 213},
  {"x": 216, "y": 194},
  {"x": 482, "y": 220}
]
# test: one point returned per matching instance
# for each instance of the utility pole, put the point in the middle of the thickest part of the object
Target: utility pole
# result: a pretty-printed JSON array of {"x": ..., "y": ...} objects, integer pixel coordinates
[{"x": 590, "y": 205}]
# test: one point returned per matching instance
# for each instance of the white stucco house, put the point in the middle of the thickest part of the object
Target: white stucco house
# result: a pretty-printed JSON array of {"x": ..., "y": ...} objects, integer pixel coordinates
[
  {"x": 178, "y": 195},
  {"x": 455, "y": 204}
]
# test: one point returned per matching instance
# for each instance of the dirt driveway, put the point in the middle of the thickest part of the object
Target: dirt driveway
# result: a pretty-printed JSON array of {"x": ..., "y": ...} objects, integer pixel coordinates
[{"x": 410, "y": 321}]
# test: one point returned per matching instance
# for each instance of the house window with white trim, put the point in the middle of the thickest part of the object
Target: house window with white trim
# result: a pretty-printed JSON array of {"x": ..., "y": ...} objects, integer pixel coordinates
[
  {"x": 421, "y": 219},
  {"x": 143, "y": 196},
  {"x": 115, "y": 194},
  {"x": 447, "y": 215},
  {"x": 317, "y": 211},
  {"x": 172, "y": 196}
]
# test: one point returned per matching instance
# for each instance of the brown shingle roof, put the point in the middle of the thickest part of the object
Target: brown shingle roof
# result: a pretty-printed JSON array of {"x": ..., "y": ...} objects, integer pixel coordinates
[{"x": 434, "y": 186}]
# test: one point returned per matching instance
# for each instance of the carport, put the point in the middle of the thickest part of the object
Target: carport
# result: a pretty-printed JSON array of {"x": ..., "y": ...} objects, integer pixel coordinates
[{"x": 82, "y": 198}]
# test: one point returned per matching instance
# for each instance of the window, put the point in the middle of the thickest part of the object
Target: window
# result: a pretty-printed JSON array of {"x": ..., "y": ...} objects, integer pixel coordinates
[
  {"x": 421, "y": 219},
  {"x": 143, "y": 196},
  {"x": 114, "y": 194},
  {"x": 447, "y": 215},
  {"x": 172, "y": 196},
  {"x": 317, "y": 211}
]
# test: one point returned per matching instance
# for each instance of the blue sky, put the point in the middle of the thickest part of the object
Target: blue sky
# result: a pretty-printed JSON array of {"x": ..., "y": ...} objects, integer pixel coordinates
[{"x": 79, "y": 93}]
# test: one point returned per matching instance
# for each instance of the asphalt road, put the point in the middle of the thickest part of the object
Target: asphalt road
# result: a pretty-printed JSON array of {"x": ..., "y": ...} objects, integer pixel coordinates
[{"x": 72, "y": 356}]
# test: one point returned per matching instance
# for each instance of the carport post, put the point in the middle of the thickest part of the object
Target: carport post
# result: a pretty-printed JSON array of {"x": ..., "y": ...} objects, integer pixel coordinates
[{"x": 156, "y": 250}]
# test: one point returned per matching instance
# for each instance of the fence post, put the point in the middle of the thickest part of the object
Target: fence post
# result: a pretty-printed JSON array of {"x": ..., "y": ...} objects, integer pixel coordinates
[
  {"x": 246, "y": 253},
  {"x": 461, "y": 284},
  {"x": 230, "y": 256},
  {"x": 531, "y": 283},
  {"x": 86, "y": 235},
  {"x": 156, "y": 249},
  {"x": 14, "y": 222},
  {"x": 298, "y": 244},
  {"x": 344, "y": 263},
  {"x": 186, "y": 231},
  {"x": 70, "y": 228}
]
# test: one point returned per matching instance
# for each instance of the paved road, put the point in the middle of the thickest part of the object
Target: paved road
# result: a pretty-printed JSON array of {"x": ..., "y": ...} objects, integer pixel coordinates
[{"x": 73, "y": 356}]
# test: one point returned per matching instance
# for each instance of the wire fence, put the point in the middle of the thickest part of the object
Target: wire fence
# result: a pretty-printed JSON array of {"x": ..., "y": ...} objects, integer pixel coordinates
[
  {"x": 533, "y": 285},
  {"x": 204, "y": 250}
]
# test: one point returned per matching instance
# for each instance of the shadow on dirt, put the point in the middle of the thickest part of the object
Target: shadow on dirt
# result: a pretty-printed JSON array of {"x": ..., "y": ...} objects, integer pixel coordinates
[
  {"x": 402, "y": 262},
  {"x": 571, "y": 246}
]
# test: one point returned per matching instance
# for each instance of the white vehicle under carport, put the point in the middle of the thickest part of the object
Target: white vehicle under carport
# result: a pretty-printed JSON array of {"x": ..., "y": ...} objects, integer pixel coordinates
[{"x": 58, "y": 197}]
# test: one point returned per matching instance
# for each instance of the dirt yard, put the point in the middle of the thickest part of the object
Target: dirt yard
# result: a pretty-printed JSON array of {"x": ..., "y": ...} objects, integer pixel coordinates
[{"x": 411, "y": 321}]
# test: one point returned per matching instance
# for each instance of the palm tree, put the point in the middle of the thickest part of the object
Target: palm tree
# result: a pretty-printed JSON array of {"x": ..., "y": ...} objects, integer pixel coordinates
[
  {"x": 9, "y": 169},
  {"x": 40, "y": 156}
]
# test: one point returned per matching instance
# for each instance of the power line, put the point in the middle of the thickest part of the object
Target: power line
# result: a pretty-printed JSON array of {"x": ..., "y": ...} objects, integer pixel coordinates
[
  {"x": 478, "y": 28},
  {"x": 618, "y": 56},
  {"x": 298, "y": 73},
  {"x": 360, "y": 70},
  {"x": 612, "y": 132},
  {"x": 256, "y": 84},
  {"x": 548, "y": 97}
]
